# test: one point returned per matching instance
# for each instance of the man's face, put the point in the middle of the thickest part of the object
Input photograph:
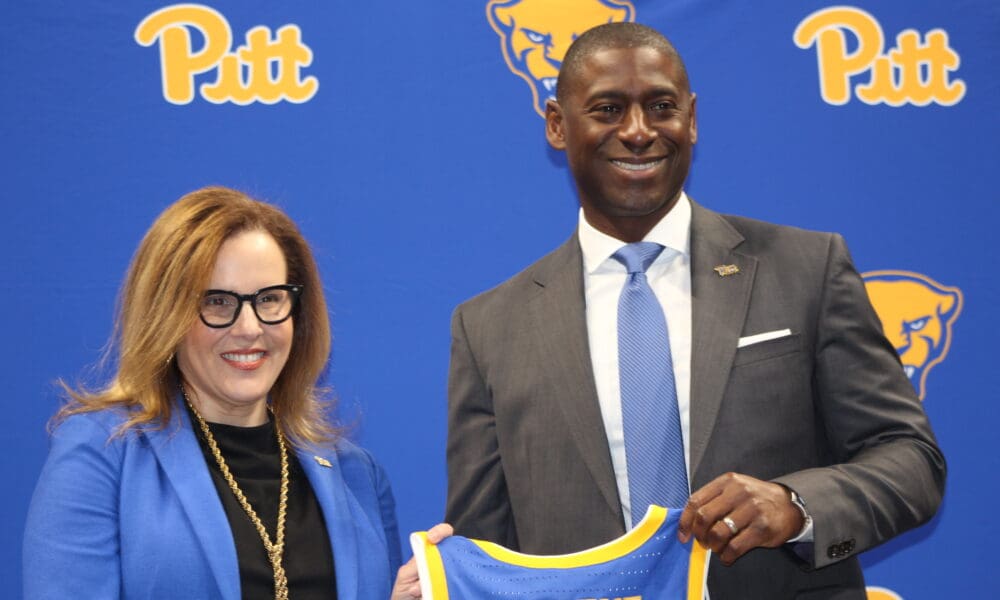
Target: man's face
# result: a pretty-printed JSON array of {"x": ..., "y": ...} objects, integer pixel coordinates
[{"x": 627, "y": 124}]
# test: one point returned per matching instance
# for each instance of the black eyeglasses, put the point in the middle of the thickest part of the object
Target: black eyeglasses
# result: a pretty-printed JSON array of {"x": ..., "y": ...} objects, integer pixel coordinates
[{"x": 272, "y": 305}]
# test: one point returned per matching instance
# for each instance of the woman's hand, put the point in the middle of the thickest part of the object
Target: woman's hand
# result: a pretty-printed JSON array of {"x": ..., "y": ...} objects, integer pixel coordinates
[{"x": 407, "y": 581}]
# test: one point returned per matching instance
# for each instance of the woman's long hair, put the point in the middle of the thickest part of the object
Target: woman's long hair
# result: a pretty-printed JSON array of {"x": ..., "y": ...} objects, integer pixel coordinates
[{"x": 158, "y": 305}]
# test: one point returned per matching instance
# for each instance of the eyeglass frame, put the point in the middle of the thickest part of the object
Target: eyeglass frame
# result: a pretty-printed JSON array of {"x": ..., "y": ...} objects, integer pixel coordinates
[{"x": 294, "y": 290}]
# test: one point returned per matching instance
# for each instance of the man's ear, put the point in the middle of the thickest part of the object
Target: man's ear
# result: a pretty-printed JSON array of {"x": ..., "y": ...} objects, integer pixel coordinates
[
  {"x": 693, "y": 132},
  {"x": 554, "y": 125}
]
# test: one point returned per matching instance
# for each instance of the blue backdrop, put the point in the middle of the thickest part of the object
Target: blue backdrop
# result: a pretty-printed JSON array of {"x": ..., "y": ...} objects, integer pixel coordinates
[{"x": 405, "y": 140}]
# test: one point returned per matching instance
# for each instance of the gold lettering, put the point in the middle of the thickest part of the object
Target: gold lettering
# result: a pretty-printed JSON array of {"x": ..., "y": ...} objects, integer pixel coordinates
[
  {"x": 943, "y": 60},
  {"x": 261, "y": 70},
  {"x": 825, "y": 28},
  {"x": 911, "y": 72},
  {"x": 293, "y": 54},
  {"x": 178, "y": 60},
  {"x": 228, "y": 85},
  {"x": 880, "y": 87}
]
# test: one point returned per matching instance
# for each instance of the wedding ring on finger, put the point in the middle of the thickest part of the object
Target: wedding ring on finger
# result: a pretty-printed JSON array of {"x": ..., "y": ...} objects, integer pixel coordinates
[{"x": 728, "y": 522}]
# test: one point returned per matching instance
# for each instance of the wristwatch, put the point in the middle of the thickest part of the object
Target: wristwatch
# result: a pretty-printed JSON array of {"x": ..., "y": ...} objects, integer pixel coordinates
[{"x": 801, "y": 505}]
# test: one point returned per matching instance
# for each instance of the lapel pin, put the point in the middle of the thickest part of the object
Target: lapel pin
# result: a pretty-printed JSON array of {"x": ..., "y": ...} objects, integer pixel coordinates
[
  {"x": 726, "y": 270},
  {"x": 323, "y": 462}
]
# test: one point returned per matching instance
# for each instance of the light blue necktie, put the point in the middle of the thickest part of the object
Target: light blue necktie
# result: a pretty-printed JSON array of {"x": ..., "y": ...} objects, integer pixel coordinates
[{"x": 654, "y": 447}]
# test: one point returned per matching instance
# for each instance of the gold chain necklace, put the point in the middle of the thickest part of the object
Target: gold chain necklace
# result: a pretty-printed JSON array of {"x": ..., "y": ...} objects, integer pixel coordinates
[{"x": 276, "y": 548}]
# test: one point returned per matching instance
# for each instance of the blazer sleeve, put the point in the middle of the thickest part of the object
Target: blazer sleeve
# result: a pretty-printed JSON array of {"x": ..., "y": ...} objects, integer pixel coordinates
[
  {"x": 367, "y": 481},
  {"x": 887, "y": 473},
  {"x": 71, "y": 536},
  {"x": 478, "y": 504},
  {"x": 387, "y": 509}
]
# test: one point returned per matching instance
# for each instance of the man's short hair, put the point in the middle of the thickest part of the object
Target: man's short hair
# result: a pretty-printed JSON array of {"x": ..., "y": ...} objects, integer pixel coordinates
[{"x": 612, "y": 36}]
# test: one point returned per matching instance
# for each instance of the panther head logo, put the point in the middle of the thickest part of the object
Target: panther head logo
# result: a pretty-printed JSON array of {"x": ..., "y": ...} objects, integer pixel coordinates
[
  {"x": 917, "y": 315},
  {"x": 535, "y": 35},
  {"x": 878, "y": 593}
]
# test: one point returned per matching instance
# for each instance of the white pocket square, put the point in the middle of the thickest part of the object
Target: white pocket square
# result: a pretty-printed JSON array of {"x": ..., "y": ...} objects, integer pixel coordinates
[{"x": 763, "y": 337}]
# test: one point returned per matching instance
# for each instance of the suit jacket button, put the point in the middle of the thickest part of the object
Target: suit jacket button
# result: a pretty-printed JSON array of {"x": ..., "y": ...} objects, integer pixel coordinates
[{"x": 841, "y": 549}]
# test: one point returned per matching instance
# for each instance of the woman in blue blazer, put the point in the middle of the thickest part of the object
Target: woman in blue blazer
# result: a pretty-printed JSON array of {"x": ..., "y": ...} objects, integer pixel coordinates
[{"x": 205, "y": 468}]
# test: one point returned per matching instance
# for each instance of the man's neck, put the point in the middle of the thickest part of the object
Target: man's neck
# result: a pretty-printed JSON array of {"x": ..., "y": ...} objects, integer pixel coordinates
[{"x": 627, "y": 228}]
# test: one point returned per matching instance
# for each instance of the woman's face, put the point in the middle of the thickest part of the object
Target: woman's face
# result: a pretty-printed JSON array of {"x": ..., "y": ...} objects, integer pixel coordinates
[{"x": 229, "y": 372}]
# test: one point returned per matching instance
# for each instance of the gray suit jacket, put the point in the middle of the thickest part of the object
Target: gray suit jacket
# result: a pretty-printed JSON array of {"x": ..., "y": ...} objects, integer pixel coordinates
[{"x": 826, "y": 411}]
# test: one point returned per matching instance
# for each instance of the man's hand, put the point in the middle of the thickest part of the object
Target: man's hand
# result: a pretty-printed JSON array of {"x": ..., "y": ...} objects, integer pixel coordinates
[
  {"x": 735, "y": 513},
  {"x": 407, "y": 580}
]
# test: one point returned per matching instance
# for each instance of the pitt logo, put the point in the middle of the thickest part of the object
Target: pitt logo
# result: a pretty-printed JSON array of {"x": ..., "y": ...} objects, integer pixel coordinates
[
  {"x": 917, "y": 315},
  {"x": 535, "y": 35},
  {"x": 911, "y": 72},
  {"x": 265, "y": 69}
]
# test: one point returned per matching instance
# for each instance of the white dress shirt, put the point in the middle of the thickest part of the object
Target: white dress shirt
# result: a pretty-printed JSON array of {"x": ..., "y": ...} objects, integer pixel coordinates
[{"x": 670, "y": 278}]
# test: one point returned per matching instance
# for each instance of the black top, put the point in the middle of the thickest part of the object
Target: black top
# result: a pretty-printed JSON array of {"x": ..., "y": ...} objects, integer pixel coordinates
[{"x": 254, "y": 459}]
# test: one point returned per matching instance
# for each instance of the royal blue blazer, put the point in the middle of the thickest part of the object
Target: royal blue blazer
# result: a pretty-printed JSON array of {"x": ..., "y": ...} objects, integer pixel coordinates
[{"x": 137, "y": 516}]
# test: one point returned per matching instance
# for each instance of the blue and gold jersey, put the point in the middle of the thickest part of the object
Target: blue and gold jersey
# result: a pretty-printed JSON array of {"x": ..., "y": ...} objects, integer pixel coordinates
[{"x": 647, "y": 563}]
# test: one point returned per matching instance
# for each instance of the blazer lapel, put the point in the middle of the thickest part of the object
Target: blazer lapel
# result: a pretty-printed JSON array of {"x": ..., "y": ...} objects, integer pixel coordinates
[
  {"x": 181, "y": 459},
  {"x": 327, "y": 482},
  {"x": 559, "y": 314},
  {"x": 719, "y": 308}
]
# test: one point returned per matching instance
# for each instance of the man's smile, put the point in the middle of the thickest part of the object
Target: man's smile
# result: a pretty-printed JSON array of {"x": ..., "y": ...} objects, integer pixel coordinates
[{"x": 632, "y": 165}]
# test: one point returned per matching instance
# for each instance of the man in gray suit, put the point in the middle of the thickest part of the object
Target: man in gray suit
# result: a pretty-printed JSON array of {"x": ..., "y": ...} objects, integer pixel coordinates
[{"x": 804, "y": 442}]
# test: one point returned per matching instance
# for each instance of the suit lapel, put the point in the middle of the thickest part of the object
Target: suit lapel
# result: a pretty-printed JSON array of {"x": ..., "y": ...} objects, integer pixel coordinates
[
  {"x": 560, "y": 328},
  {"x": 327, "y": 482},
  {"x": 181, "y": 459},
  {"x": 719, "y": 308}
]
